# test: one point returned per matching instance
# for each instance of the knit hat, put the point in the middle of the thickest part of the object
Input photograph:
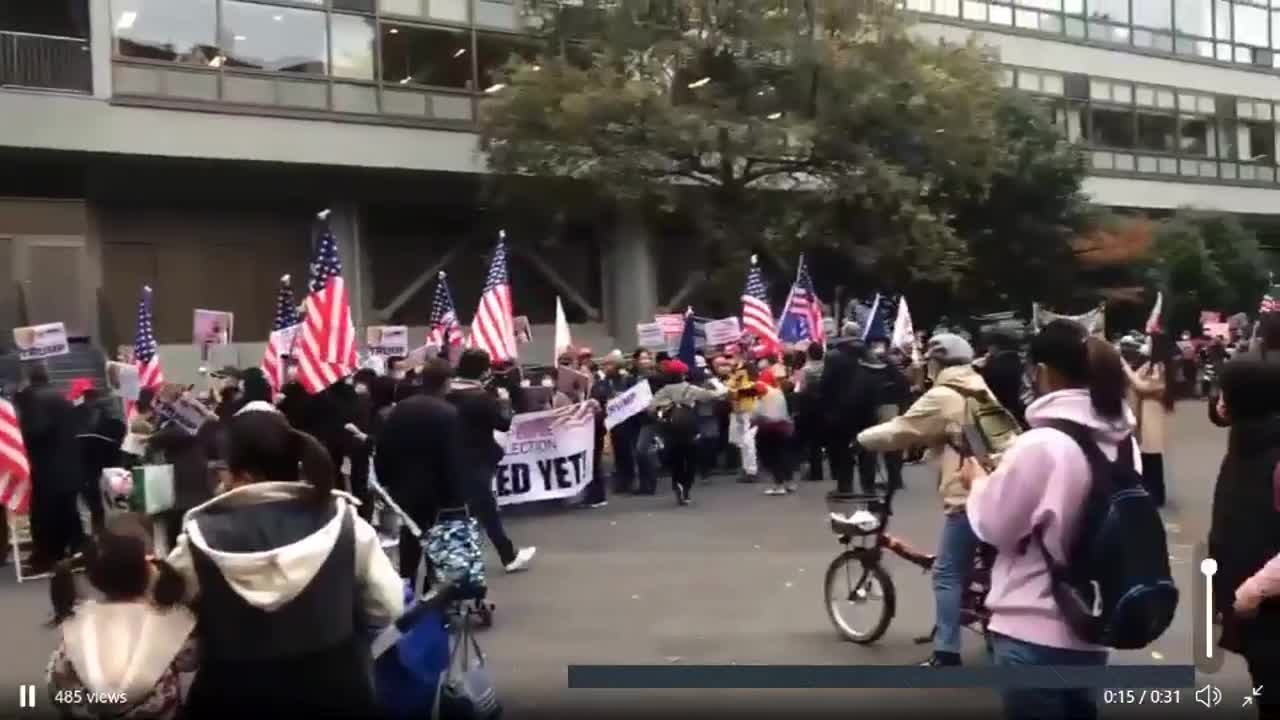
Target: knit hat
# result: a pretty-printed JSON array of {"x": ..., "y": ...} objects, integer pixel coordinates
[
  {"x": 949, "y": 349},
  {"x": 675, "y": 367}
]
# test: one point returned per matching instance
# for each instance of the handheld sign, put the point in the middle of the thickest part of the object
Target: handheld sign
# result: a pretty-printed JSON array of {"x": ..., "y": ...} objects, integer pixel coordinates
[
  {"x": 387, "y": 340},
  {"x": 212, "y": 327},
  {"x": 183, "y": 412},
  {"x": 41, "y": 341},
  {"x": 628, "y": 404},
  {"x": 724, "y": 331},
  {"x": 651, "y": 336}
]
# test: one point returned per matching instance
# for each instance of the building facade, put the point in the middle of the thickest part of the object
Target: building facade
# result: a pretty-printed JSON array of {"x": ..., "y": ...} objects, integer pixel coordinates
[{"x": 186, "y": 144}]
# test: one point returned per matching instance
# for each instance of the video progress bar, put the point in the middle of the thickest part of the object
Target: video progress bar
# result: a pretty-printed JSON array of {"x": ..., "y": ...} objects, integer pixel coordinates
[{"x": 735, "y": 677}]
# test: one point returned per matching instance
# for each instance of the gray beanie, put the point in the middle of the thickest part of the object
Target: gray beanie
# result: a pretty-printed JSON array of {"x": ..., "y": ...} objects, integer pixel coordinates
[{"x": 949, "y": 349}]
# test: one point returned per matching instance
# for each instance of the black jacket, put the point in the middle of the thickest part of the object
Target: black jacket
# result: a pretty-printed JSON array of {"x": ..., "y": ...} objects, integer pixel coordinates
[
  {"x": 417, "y": 460},
  {"x": 190, "y": 456},
  {"x": 838, "y": 386},
  {"x": 1003, "y": 372},
  {"x": 48, "y": 423},
  {"x": 1245, "y": 532},
  {"x": 101, "y": 430},
  {"x": 480, "y": 413},
  {"x": 876, "y": 384}
]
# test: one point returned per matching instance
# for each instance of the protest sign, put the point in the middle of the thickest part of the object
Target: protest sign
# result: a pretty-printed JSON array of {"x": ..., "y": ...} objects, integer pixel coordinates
[
  {"x": 41, "y": 341},
  {"x": 282, "y": 339},
  {"x": 1217, "y": 329},
  {"x": 573, "y": 383},
  {"x": 650, "y": 336},
  {"x": 724, "y": 331},
  {"x": 672, "y": 323},
  {"x": 628, "y": 404},
  {"x": 1210, "y": 316},
  {"x": 211, "y": 327},
  {"x": 522, "y": 330},
  {"x": 387, "y": 340},
  {"x": 183, "y": 412},
  {"x": 549, "y": 455},
  {"x": 123, "y": 378}
]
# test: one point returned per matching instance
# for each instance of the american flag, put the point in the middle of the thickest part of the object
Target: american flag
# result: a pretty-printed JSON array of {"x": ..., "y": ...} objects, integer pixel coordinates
[
  {"x": 326, "y": 344},
  {"x": 1270, "y": 301},
  {"x": 574, "y": 415},
  {"x": 445, "y": 330},
  {"x": 146, "y": 354},
  {"x": 802, "y": 315},
  {"x": 286, "y": 317},
  {"x": 15, "y": 471},
  {"x": 493, "y": 328},
  {"x": 757, "y": 316}
]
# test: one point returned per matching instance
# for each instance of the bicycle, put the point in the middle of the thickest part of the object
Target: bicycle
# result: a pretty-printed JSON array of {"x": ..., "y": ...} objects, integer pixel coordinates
[{"x": 864, "y": 535}]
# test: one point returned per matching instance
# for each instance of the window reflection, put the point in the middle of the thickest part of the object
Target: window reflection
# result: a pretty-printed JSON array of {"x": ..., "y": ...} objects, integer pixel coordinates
[
  {"x": 1156, "y": 14},
  {"x": 1261, "y": 139},
  {"x": 280, "y": 39},
  {"x": 1251, "y": 25},
  {"x": 1196, "y": 136},
  {"x": 426, "y": 56},
  {"x": 1157, "y": 132},
  {"x": 353, "y": 47},
  {"x": 1194, "y": 17},
  {"x": 175, "y": 30},
  {"x": 493, "y": 50},
  {"x": 1111, "y": 128}
]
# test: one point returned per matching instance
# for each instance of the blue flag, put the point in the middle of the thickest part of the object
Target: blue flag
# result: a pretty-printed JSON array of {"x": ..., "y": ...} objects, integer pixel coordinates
[
  {"x": 688, "y": 352},
  {"x": 876, "y": 328}
]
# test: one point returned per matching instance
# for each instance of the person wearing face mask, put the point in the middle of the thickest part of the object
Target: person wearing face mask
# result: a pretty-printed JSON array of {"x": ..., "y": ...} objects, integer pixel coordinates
[{"x": 932, "y": 421}]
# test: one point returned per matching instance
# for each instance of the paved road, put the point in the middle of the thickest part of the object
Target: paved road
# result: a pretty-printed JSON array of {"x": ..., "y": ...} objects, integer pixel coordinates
[{"x": 736, "y": 578}]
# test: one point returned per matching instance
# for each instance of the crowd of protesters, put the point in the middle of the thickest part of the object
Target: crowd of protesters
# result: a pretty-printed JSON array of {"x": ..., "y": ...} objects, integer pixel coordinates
[{"x": 270, "y": 532}]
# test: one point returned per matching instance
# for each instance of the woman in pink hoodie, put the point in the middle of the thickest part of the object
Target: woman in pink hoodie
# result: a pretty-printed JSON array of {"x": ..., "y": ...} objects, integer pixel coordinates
[{"x": 1041, "y": 484}]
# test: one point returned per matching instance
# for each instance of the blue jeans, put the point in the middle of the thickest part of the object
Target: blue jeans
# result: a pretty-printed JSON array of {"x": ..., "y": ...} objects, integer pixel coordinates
[
  {"x": 1032, "y": 704},
  {"x": 951, "y": 570},
  {"x": 647, "y": 458}
]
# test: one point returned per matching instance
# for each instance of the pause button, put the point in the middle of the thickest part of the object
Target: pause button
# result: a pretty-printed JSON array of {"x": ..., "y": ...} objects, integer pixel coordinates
[{"x": 26, "y": 696}]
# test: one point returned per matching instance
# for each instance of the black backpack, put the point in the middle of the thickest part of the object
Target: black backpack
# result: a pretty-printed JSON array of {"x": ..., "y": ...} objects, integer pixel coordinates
[
  {"x": 1115, "y": 588},
  {"x": 682, "y": 422}
]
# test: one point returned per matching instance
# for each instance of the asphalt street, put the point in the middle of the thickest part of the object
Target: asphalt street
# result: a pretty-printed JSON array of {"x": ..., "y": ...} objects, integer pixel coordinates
[{"x": 736, "y": 578}]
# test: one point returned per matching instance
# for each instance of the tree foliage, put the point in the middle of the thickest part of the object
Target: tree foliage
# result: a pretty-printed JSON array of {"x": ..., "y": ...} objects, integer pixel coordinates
[
  {"x": 1206, "y": 261},
  {"x": 781, "y": 124}
]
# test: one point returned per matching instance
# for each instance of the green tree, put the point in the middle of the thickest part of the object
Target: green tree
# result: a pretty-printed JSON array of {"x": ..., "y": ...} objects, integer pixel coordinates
[
  {"x": 1206, "y": 261},
  {"x": 777, "y": 124}
]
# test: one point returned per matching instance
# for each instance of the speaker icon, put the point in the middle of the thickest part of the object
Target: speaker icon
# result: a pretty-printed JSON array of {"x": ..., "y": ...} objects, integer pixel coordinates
[{"x": 1209, "y": 696}]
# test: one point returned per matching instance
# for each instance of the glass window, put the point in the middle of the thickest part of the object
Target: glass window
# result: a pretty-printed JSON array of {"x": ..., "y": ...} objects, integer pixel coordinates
[
  {"x": 426, "y": 56},
  {"x": 1001, "y": 15},
  {"x": 175, "y": 30},
  {"x": 1194, "y": 17},
  {"x": 1111, "y": 128},
  {"x": 1040, "y": 4},
  {"x": 1222, "y": 20},
  {"x": 975, "y": 11},
  {"x": 353, "y": 47},
  {"x": 1073, "y": 7},
  {"x": 357, "y": 5},
  {"x": 69, "y": 18},
  {"x": 1262, "y": 143},
  {"x": 1157, "y": 132},
  {"x": 279, "y": 39},
  {"x": 493, "y": 50},
  {"x": 1251, "y": 25},
  {"x": 1114, "y": 10},
  {"x": 1196, "y": 136},
  {"x": 1153, "y": 14},
  {"x": 1275, "y": 30},
  {"x": 947, "y": 7}
]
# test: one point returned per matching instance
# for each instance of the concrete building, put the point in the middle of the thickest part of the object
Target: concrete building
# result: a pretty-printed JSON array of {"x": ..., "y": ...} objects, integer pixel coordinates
[{"x": 186, "y": 144}]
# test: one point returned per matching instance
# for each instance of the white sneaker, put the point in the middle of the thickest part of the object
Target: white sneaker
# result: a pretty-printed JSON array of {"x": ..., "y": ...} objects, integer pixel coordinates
[
  {"x": 602, "y": 503},
  {"x": 775, "y": 490},
  {"x": 523, "y": 558}
]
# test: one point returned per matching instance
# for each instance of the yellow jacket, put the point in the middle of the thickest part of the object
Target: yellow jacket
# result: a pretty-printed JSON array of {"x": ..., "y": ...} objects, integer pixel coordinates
[{"x": 742, "y": 391}]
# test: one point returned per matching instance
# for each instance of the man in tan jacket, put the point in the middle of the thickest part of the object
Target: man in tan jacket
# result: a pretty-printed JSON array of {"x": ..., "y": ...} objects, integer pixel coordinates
[{"x": 934, "y": 421}]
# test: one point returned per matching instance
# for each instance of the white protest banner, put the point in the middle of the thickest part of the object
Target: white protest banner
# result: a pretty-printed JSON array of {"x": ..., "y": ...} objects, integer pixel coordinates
[
  {"x": 387, "y": 340},
  {"x": 651, "y": 336},
  {"x": 123, "y": 378},
  {"x": 183, "y": 412},
  {"x": 549, "y": 455},
  {"x": 628, "y": 404},
  {"x": 1217, "y": 330},
  {"x": 212, "y": 327},
  {"x": 41, "y": 341},
  {"x": 724, "y": 331}
]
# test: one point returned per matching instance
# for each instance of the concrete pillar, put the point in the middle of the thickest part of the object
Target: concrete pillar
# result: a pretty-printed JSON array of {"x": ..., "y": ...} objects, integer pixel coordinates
[
  {"x": 100, "y": 44},
  {"x": 632, "y": 272},
  {"x": 346, "y": 221}
]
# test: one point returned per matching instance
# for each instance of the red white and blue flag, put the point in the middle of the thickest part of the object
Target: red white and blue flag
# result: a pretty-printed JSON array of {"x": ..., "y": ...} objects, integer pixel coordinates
[
  {"x": 146, "y": 354},
  {"x": 15, "y": 469},
  {"x": 326, "y": 344},
  {"x": 280, "y": 344},
  {"x": 802, "y": 315},
  {"x": 1270, "y": 301},
  {"x": 445, "y": 330},
  {"x": 757, "y": 315},
  {"x": 493, "y": 328}
]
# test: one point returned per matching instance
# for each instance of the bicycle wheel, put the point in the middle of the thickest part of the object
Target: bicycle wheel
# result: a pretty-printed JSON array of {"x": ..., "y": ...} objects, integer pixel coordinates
[{"x": 860, "y": 598}]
